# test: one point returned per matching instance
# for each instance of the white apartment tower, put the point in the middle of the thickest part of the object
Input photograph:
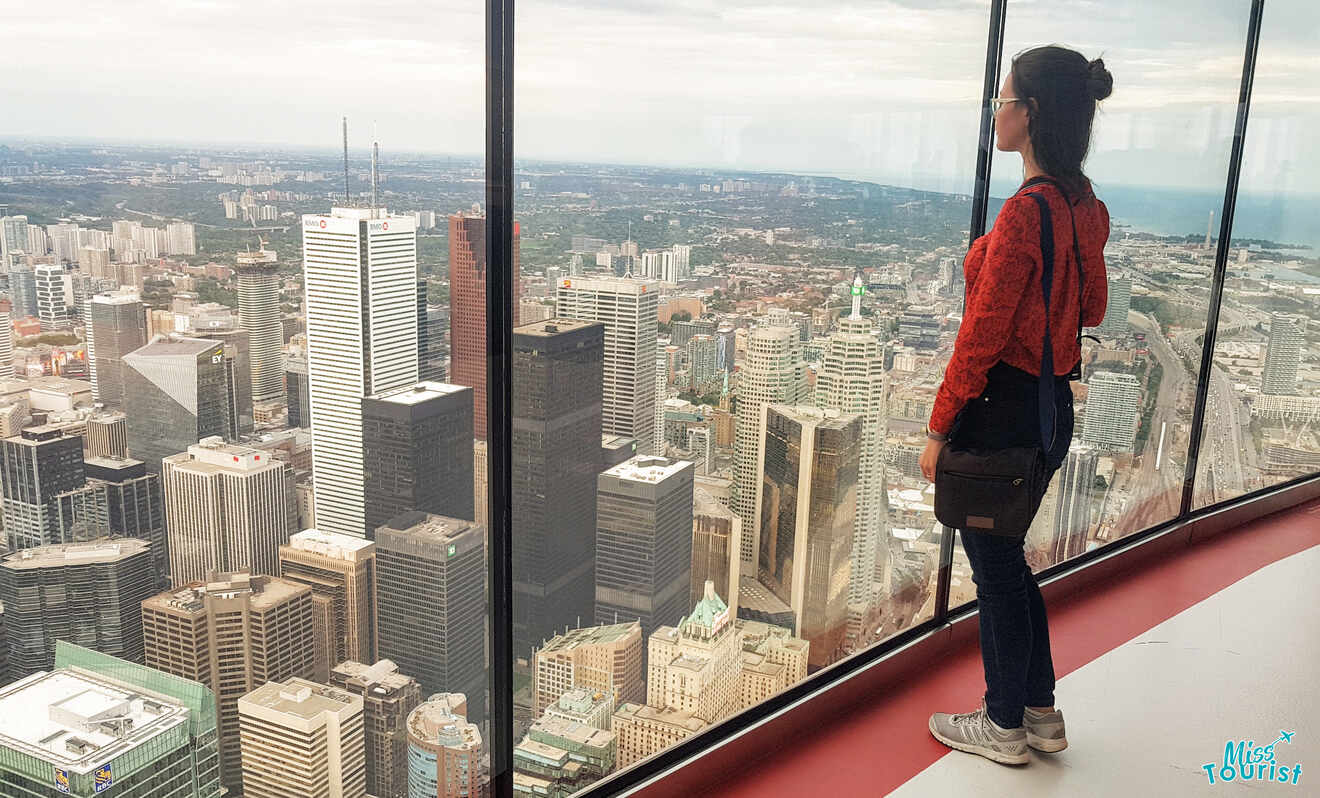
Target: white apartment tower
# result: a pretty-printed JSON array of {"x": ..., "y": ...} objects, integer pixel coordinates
[
  {"x": 852, "y": 380},
  {"x": 1283, "y": 356},
  {"x": 774, "y": 373},
  {"x": 259, "y": 314},
  {"x": 627, "y": 308},
  {"x": 360, "y": 273},
  {"x": 54, "y": 295},
  {"x": 1112, "y": 402},
  {"x": 227, "y": 508}
]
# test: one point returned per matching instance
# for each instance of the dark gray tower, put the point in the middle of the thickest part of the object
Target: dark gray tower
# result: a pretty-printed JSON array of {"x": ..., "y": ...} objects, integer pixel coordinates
[
  {"x": 644, "y": 543},
  {"x": 557, "y": 384},
  {"x": 431, "y": 603},
  {"x": 417, "y": 452}
]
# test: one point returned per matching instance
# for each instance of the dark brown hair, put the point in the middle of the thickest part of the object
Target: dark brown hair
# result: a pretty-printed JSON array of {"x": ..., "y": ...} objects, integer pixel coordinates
[{"x": 1062, "y": 88}]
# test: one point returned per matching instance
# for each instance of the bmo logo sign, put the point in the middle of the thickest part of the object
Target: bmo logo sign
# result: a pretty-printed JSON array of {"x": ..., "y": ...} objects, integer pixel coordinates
[
  {"x": 380, "y": 226},
  {"x": 313, "y": 224}
]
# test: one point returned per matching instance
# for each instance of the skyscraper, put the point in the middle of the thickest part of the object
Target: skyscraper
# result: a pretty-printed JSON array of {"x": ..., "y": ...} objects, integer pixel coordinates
[
  {"x": 556, "y": 457},
  {"x": 296, "y": 388},
  {"x": 1112, "y": 404},
  {"x": 54, "y": 295},
  {"x": 86, "y": 593},
  {"x": 807, "y": 504},
  {"x": 701, "y": 352},
  {"x": 605, "y": 659},
  {"x": 467, "y": 299},
  {"x": 68, "y": 752},
  {"x": 715, "y": 533},
  {"x": 6, "y": 345},
  {"x": 228, "y": 508},
  {"x": 302, "y": 738},
  {"x": 774, "y": 373},
  {"x": 232, "y": 634},
  {"x": 134, "y": 502},
  {"x": 431, "y": 603},
  {"x": 259, "y": 314},
  {"x": 1283, "y": 355},
  {"x": 644, "y": 542},
  {"x": 360, "y": 270},
  {"x": 418, "y": 452},
  {"x": 628, "y": 310},
  {"x": 117, "y": 326},
  {"x": 107, "y": 436},
  {"x": 388, "y": 697},
  {"x": 341, "y": 571},
  {"x": 238, "y": 369},
  {"x": 37, "y": 466},
  {"x": 1072, "y": 516},
  {"x": 181, "y": 239},
  {"x": 23, "y": 288},
  {"x": 1115, "y": 322},
  {"x": 181, "y": 392},
  {"x": 444, "y": 751},
  {"x": 852, "y": 380}
]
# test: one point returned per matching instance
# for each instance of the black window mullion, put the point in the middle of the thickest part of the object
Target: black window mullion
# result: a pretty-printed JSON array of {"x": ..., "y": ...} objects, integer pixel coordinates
[
  {"x": 499, "y": 433},
  {"x": 1221, "y": 255}
]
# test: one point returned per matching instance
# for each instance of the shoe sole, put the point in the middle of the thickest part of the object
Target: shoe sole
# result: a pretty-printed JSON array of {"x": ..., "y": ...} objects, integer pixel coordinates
[
  {"x": 988, "y": 753},
  {"x": 1045, "y": 744}
]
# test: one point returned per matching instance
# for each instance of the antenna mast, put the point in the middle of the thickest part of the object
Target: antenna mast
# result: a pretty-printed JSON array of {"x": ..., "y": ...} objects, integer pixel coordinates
[
  {"x": 347, "y": 200},
  {"x": 375, "y": 175}
]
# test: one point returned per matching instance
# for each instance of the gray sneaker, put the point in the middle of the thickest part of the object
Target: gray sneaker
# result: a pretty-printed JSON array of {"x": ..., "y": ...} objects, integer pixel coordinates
[
  {"x": 975, "y": 733},
  {"x": 1044, "y": 730}
]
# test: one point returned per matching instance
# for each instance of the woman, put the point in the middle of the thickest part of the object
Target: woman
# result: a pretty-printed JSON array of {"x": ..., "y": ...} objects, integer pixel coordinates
[{"x": 989, "y": 396}]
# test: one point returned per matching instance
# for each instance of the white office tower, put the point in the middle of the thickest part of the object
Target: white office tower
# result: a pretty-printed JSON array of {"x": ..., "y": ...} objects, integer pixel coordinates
[
  {"x": 1112, "y": 403},
  {"x": 1115, "y": 322},
  {"x": 1283, "y": 356},
  {"x": 298, "y": 737},
  {"x": 54, "y": 295},
  {"x": 627, "y": 308},
  {"x": 180, "y": 239},
  {"x": 227, "y": 508},
  {"x": 6, "y": 346},
  {"x": 852, "y": 380},
  {"x": 259, "y": 314},
  {"x": 774, "y": 373},
  {"x": 360, "y": 277}
]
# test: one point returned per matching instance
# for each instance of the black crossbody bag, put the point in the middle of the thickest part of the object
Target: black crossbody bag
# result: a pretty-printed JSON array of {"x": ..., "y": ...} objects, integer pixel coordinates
[{"x": 999, "y": 491}]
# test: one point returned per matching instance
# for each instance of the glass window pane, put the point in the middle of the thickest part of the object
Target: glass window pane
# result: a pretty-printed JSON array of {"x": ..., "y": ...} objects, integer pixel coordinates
[
  {"x": 231, "y": 337},
  {"x": 1264, "y": 397},
  {"x": 1158, "y": 160},
  {"x": 740, "y": 235}
]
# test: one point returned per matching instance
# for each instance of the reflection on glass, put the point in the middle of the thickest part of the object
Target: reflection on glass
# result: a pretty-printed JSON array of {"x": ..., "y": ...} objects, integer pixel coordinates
[
  {"x": 1158, "y": 160},
  {"x": 227, "y": 332},
  {"x": 1262, "y": 420},
  {"x": 770, "y": 246}
]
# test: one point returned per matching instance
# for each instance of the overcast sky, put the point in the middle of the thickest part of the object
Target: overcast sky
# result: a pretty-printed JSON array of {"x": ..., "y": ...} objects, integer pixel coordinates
[{"x": 877, "y": 90}]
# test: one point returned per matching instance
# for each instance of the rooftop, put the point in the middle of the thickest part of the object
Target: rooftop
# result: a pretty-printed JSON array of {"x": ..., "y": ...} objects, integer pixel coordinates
[
  {"x": 547, "y": 327},
  {"x": 61, "y": 554},
  {"x": 301, "y": 698},
  {"x": 265, "y": 592},
  {"x": 419, "y": 393},
  {"x": 648, "y": 468},
  {"x": 78, "y": 721},
  {"x": 590, "y": 636},
  {"x": 332, "y": 545},
  {"x": 433, "y": 722},
  {"x": 380, "y": 678},
  {"x": 166, "y": 346}
]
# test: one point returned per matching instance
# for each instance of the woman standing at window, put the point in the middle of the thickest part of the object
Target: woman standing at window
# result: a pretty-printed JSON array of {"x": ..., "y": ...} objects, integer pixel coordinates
[{"x": 989, "y": 396}]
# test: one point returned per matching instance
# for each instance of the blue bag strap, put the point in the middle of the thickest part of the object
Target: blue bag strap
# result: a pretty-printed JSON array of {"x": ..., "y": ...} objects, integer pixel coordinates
[{"x": 1045, "y": 390}]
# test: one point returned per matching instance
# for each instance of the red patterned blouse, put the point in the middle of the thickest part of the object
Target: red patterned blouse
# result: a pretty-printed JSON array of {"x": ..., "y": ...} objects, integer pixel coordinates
[{"x": 1004, "y": 313}]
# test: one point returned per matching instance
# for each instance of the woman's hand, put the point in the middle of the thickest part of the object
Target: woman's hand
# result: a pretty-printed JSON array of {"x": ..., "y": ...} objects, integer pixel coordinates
[{"x": 928, "y": 458}]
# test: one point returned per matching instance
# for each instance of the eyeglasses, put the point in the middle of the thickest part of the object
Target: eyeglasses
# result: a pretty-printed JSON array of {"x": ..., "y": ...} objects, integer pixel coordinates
[{"x": 999, "y": 102}]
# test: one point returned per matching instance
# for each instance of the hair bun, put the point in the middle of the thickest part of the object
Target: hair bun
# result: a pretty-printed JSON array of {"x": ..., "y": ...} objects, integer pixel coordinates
[{"x": 1098, "y": 81}]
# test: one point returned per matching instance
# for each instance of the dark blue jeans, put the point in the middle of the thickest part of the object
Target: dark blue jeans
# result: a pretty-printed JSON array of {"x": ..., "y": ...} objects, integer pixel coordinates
[{"x": 1015, "y": 638}]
